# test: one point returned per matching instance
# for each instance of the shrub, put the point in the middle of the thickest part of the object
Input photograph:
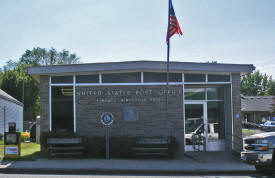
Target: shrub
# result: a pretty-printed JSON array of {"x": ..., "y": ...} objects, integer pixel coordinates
[
  {"x": 119, "y": 147},
  {"x": 94, "y": 146},
  {"x": 122, "y": 147},
  {"x": 25, "y": 136},
  {"x": 173, "y": 146},
  {"x": 1, "y": 137}
]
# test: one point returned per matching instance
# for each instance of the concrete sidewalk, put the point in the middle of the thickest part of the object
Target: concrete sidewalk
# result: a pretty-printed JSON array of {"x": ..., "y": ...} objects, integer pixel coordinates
[{"x": 191, "y": 163}]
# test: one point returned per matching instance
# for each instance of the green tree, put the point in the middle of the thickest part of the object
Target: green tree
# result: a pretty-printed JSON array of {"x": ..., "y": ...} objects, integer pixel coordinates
[
  {"x": 270, "y": 91},
  {"x": 1, "y": 73},
  {"x": 257, "y": 84},
  {"x": 14, "y": 77},
  {"x": 264, "y": 84},
  {"x": 13, "y": 81},
  {"x": 41, "y": 56}
]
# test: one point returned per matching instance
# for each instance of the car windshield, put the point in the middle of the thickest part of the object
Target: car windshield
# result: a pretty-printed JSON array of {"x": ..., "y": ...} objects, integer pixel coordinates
[
  {"x": 267, "y": 123},
  {"x": 192, "y": 124}
]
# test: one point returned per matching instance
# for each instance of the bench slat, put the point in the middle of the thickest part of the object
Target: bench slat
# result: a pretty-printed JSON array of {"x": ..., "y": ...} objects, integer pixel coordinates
[
  {"x": 146, "y": 154},
  {"x": 152, "y": 142},
  {"x": 150, "y": 149},
  {"x": 72, "y": 153},
  {"x": 66, "y": 148},
  {"x": 64, "y": 140}
]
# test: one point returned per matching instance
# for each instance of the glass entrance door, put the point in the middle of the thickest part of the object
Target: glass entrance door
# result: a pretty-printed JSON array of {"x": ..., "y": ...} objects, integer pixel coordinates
[{"x": 195, "y": 126}]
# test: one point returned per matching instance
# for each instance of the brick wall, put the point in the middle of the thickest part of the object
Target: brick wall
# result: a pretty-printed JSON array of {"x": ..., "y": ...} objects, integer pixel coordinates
[
  {"x": 44, "y": 105},
  {"x": 237, "y": 122},
  {"x": 150, "y": 101}
]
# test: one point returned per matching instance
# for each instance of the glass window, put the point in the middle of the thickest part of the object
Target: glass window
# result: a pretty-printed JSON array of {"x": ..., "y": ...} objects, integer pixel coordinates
[
  {"x": 161, "y": 77},
  {"x": 194, "y": 94},
  {"x": 215, "y": 93},
  {"x": 218, "y": 78},
  {"x": 87, "y": 79},
  {"x": 215, "y": 114},
  {"x": 62, "y": 108},
  {"x": 134, "y": 77},
  {"x": 62, "y": 79},
  {"x": 193, "y": 118},
  {"x": 194, "y": 77}
]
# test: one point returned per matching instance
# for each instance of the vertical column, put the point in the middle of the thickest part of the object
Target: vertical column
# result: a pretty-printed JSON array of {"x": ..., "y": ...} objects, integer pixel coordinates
[
  {"x": 228, "y": 118},
  {"x": 45, "y": 106},
  {"x": 74, "y": 104},
  {"x": 183, "y": 113},
  {"x": 237, "y": 119},
  {"x": 45, "y": 101},
  {"x": 100, "y": 78},
  {"x": 50, "y": 103}
]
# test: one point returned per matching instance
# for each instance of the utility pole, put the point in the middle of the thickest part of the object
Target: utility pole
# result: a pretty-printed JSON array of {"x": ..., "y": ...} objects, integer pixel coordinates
[
  {"x": 23, "y": 92},
  {"x": 4, "y": 119}
]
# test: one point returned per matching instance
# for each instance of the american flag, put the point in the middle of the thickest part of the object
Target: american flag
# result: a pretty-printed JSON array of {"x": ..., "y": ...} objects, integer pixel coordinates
[{"x": 173, "y": 23}]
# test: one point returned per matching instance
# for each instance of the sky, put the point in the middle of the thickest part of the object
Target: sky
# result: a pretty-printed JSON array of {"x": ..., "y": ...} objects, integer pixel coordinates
[{"x": 235, "y": 31}]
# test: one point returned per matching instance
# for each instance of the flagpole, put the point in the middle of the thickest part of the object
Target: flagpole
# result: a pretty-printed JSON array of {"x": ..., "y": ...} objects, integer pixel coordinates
[{"x": 167, "y": 68}]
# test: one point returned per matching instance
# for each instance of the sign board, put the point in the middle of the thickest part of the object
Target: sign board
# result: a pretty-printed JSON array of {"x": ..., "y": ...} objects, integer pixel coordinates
[
  {"x": 130, "y": 114},
  {"x": 107, "y": 118},
  {"x": 12, "y": 146},
  {"x": 11, "y": 150}
]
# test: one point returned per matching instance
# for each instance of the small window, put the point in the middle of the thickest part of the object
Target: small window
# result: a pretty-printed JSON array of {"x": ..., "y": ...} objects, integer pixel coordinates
[
  {"x": 134, "y": 77},
  {"x": 161, "y": 77},
  {"x": 218, "y": 78},
  {"x": 215, "y": 93},
  {"x": 194, "y": 94},
  {"x": 62, "y": 79},
  {"x": 194, "y": 77},
  {"x": 87, "y": 79}
]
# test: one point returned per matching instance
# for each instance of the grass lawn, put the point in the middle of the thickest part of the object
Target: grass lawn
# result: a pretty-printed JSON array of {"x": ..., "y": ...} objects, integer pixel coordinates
[
  {"x": 248, "y": 132},
  {"x": 29, "y": 151}
]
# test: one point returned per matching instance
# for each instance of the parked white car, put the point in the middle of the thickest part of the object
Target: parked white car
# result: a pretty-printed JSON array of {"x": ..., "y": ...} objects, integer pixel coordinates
[
  {"x": 268, "y": 126},
  {"x": 212, "y": 133}
]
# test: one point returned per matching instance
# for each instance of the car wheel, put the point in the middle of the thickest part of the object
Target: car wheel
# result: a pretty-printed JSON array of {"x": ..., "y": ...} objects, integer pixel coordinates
[{"x": 264, "y": 169}]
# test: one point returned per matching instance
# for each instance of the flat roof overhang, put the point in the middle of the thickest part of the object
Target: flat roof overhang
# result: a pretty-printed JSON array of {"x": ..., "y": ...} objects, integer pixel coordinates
[{"x": 154, "y": 66}]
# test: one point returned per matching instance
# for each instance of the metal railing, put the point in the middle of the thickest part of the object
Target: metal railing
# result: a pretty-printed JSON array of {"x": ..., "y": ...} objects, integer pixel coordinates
[{"x": 198, "y": 142}]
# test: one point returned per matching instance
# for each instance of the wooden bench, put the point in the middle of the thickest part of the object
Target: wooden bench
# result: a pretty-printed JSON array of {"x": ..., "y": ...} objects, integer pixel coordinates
[
  {"x": 64, "y": 146},
  {"x": 152, "y": 146}
]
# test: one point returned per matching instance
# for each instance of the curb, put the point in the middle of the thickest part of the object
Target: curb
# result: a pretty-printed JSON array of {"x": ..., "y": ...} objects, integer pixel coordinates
[{"x": 122, "y": 171}]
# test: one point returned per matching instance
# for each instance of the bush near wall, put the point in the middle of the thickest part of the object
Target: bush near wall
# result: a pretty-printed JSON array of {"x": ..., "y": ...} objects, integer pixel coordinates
[
  {"x": 173, "y": 146},
  {"x": 95, "y": 147},
  {"x": 25, "y": 136},
  {"x": 119, "y": 147}
]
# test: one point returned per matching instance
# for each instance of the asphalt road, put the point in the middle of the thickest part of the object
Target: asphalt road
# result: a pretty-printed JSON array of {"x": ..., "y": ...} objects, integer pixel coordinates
[{"x": 128, "y": 176}]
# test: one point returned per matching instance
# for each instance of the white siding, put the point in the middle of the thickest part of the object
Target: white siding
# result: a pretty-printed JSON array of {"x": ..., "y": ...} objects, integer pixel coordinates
[{"x": 14, "y": 113}]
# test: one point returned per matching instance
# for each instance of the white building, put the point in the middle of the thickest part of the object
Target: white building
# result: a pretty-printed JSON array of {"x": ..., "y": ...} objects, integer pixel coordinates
[{"x": 11, "y": 110}]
